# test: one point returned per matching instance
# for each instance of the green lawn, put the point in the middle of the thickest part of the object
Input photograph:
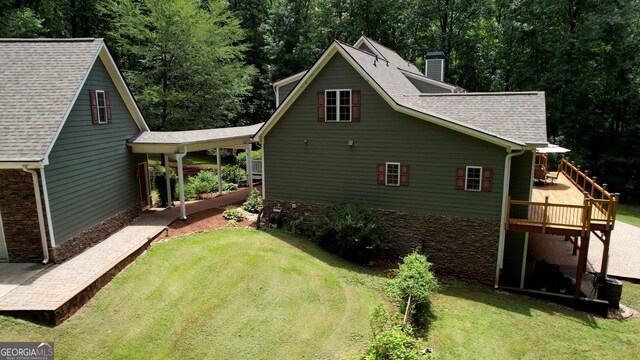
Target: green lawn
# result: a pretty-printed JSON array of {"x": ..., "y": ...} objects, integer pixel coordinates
[
  {"x": 247, "y": 294},
  {"x": 228, "y": 294},
  {"x": 629, "y": 214},
  {"x": 473, "y": 322}
]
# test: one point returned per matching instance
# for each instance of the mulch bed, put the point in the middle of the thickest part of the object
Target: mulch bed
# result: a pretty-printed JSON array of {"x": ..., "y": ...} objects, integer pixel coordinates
[{"x": 203, "y": 221}]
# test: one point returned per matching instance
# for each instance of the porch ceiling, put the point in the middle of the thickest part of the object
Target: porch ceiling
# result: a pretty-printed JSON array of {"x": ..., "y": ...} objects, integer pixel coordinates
[{"x": 174, "y": 142}]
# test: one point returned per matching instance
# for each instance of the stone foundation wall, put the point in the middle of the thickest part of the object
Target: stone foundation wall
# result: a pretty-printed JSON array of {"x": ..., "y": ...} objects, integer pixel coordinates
[
  {"x": 463, "y": 247},
  {"x": 19, "y": 216},
  {"x": 94, "y": 235}
]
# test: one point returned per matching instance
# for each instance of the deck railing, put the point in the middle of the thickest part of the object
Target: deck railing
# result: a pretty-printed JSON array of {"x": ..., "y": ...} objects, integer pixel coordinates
[
  {"x": 599, "y": 206},
  {"x": 256, "y": 166}
]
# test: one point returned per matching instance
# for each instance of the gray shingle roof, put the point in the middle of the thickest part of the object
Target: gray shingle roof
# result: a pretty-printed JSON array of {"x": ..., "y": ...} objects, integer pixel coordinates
[
  {"x": 515, "y": 117},
  {"x": 38, "y": 81},
  {"x": 194, "y": 136}
]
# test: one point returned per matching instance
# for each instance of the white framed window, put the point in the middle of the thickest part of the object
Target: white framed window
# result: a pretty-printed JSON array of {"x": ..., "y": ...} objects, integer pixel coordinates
[
  {"x": 337, "y": 105},
  {"x": 101, "y": 105},
  {"x": 392, "y": 174},
  {"x": 473, "y": 178}
]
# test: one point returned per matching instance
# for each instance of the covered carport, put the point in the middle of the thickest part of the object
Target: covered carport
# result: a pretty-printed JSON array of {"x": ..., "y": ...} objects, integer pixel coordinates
[{"x": 176, "y": 144}]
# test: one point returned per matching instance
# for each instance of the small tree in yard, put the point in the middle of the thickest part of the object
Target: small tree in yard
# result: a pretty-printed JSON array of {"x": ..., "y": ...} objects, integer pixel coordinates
[{"x": 414, "y": 279}]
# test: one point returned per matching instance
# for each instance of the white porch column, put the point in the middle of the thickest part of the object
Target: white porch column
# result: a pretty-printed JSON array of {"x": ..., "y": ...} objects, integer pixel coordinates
[
  {"x": 183, "y": 210},
  {"x": 249, "y": 167},
  {"x": 219, "y": 166},
  {"x": 167, "y": 177}
]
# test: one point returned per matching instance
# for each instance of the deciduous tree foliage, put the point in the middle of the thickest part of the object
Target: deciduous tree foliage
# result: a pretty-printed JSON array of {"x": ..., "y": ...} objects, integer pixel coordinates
[{"x": 183, "y": 59}]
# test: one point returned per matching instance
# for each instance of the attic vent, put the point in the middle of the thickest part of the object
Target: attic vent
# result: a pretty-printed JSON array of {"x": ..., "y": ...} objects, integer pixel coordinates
[{"x": 434, "y": 66}]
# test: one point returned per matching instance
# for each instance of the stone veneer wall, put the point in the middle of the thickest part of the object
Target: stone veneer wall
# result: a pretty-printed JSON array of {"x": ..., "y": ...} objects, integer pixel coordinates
[
  {"x": 19, "y": 216},
  {"x": 463, "y": 247},
  {"x": 94, "y": 235}
]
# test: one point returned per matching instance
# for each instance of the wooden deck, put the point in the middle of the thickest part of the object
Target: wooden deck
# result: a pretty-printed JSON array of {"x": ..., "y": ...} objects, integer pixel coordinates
[
  {"x": 562, "y": 191},
  {"x": 572, "y": 205}
]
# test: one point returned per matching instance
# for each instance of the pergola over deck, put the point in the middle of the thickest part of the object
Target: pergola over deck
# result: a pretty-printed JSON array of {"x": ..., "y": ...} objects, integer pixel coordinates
[
  {"x": 573, "y": 205},
  {"x": 177, "y": 144}
]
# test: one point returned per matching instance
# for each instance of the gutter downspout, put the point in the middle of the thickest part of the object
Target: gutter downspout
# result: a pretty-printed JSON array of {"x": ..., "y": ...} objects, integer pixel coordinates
[
  {"x": 503, "y": 212},
  {"x": 43, "y": 234}
]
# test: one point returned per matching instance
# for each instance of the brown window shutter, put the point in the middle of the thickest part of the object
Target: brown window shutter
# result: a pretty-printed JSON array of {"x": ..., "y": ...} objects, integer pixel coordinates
[
  {"x": 107, "y": 102},
  {"x": 94, "y": 106},
  {"x": 320, "y": 105},
  {"x": 355, "y": 105},
  {"x": 460, "y": 177},
  {"x": 382, "y": 173},
  {"x": 404, "y": 175},
  {"x": 487, "y": 179}
]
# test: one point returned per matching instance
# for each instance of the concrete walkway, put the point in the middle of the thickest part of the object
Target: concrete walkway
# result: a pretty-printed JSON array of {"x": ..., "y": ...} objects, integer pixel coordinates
[
  {"x": 624, "y": 252},
  {"x": 53, "y": 287}
]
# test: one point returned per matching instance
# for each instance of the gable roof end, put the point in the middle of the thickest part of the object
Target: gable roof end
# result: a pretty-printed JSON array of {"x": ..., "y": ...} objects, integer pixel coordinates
[
  {"x": 40, "y": 80},
  {"x": 516, "y": 122}
]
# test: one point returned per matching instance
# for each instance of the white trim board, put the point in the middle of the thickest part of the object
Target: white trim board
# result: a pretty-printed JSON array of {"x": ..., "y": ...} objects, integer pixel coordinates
[{"x": 3, "y": 243}]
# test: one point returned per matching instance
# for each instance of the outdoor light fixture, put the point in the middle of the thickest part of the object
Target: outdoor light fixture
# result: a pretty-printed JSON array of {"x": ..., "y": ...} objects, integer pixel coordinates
[
  {"x": 306, "y": 141},
  {"x": 350, "y": 142}
]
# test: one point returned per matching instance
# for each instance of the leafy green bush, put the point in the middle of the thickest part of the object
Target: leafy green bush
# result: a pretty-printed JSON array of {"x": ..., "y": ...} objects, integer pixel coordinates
[
  {"x": 205, "y": 182},
  {"x": 227, "y": 187},
  {"x": 253, "y": 204},
  {"x": 349, "y": 230},
  {"x": 241, "y": 158},
  {"x": 189, "y": 192},
  {"x": 414, "y": 278},
  {"x": 392, "y": 340},
  {"x": 233, "y": 174},
  {"x": 159, "y": 181},
  {"x": 395, "y": 344},
  {"x": 233, "y": 214}
]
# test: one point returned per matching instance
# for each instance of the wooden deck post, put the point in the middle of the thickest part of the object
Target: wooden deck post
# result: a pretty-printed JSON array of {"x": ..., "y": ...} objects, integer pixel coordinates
[
  {"x": 582, "y": 263},
  {"x": 605, "y": 255},
  {"x": 544, "y": 214}
]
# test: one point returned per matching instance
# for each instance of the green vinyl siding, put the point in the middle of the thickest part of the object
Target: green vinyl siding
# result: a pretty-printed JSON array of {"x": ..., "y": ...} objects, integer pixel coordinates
[
  {"x": 514, "y": 249},
  {"x": 520, "y": 182},
  {"x": 326, "y": 169},
  {"x": 427, "y": 88},
  {"x": 434, "y": 69},
  {"x": 285, "y": 90},
  {"x": 92, "y": 173},
  {"x": 366, "y": 48},
  {"x": 513, "y": 256}
]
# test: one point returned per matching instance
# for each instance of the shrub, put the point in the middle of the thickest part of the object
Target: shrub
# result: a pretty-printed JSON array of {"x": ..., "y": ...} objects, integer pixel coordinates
[
  {"x": 205, "y": 182},
  {"x": 159, "y": 180},
  {"x": 189, "y": 192},
  {"x": 226, "y": 187},
  {"x": 350, "y": 231},
  {"x": 414, "y": 278},
  {"x": 241, "y": 158},
  {"x": 233, "y": 214},
  {"x": 395, "y": 344},
  {"x": 233, "y": 174},
  {"x": 253, "y": 204}
]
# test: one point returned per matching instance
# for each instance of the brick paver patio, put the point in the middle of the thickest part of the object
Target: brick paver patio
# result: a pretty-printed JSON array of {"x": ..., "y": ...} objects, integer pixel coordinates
[{"x": 55, "y": 286}]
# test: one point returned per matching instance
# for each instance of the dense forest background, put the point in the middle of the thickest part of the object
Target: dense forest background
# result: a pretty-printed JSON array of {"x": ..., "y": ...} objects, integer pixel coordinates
[{"x": 198, "y": 63}]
